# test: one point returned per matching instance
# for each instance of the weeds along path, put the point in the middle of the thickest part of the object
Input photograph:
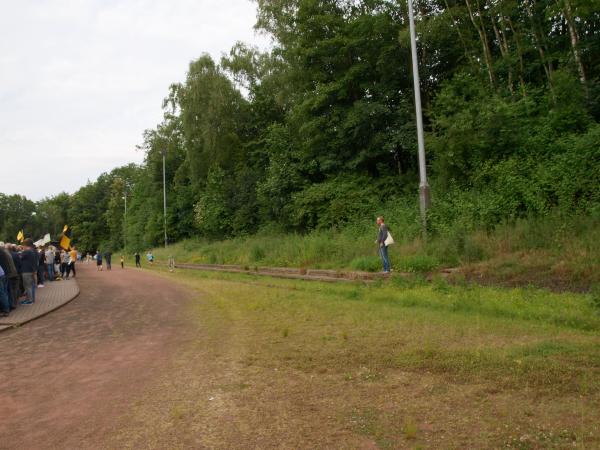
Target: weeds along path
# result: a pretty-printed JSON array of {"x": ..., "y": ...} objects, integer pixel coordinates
[{"x": 291, "y": 364}]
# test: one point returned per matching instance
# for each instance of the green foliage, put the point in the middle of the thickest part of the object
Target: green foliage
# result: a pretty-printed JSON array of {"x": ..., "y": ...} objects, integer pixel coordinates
[
  {"x": 212, "y": 217},
  {"x": 318, "y": 133}
]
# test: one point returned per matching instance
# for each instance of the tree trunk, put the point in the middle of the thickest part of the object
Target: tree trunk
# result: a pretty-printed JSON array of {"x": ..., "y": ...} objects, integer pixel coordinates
[
  {"x": 504, "y": 51},
  {"x": 487, "y": 54},
  {"x": 537, "y": 40},
  {"x": 568, "y": 13},
  {"x": 519, "y": 54}
]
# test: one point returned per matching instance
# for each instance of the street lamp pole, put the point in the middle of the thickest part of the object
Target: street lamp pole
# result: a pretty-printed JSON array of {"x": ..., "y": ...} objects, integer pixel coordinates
[
  {"x": 424, "y": 195},
  {"x": 125, "y": 221},
  {"x": 164, "y": 153}
]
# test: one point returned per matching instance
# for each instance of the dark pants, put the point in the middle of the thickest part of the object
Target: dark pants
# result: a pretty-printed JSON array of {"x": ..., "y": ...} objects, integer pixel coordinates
[
  {"x": 14, "y": 285},
  {"x": 71, "y": 268},
  {"x": 63, "y": 269},
  {"x": 4, "y": 299},
  {"x": 40, "y": 273},
  {"x": 138, "y": 263}
]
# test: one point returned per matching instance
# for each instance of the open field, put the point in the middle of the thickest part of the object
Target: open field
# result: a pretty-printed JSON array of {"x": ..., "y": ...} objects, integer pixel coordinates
[{"x": 279, "y": 363}]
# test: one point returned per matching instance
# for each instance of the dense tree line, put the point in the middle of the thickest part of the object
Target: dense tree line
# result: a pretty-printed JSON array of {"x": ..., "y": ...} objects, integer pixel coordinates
[{"x": 320, "y": 130}]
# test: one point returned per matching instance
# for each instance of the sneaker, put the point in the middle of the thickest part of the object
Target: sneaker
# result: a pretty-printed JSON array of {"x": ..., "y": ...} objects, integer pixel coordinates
[
  {"x": 26, "y": 302},
  {"x": 3, "y": 314},
  {"x": 40, "y": 285}
]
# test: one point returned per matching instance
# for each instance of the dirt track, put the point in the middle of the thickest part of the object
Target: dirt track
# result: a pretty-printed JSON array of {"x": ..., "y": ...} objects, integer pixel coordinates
[{"x": 69, "y": 376}]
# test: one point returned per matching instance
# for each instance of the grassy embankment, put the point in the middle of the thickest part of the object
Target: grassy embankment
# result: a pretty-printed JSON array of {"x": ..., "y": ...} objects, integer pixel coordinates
[
  {"x": 404, "y": 364},
  {"x": 546, "y": 252}
]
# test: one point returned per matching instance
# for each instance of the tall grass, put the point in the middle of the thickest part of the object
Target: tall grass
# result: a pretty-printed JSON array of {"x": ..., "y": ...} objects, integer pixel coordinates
[{"x": 550, "y": 246}]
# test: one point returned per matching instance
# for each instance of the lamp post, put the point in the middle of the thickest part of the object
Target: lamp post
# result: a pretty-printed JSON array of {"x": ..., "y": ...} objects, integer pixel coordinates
[
  {"x": 125, "y": 222},
  {"x": 424, "y": 195},
  {"x": 164, "y": 154}
]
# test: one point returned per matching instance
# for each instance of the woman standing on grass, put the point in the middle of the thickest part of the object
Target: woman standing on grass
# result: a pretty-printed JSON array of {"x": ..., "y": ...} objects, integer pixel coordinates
[{"x": 382, "y": 236}]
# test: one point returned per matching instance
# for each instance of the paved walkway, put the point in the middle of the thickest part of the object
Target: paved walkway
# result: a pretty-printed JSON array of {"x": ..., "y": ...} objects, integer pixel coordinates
[
  {"x": 50, "y": 297},
  {"x": 70, "y": 376}
]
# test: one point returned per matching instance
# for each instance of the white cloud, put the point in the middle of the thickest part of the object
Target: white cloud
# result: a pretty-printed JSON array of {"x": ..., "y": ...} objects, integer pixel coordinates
[{"x": 80, "y": 80}]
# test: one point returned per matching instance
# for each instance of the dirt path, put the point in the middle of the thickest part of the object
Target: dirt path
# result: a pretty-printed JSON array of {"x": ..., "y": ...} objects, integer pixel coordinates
[{"x": 69, "y": 376}]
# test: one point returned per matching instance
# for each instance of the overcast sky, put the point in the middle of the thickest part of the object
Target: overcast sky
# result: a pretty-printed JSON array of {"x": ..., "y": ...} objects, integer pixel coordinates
[{"x": 81, "y": 79}]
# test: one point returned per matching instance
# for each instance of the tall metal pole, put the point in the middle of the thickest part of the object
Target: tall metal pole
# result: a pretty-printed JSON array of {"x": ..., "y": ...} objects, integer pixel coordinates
[
  {"x": 125, "y": 231},
  {"x": 424, "y": 196},
  {"x": 164, "y": 152}
]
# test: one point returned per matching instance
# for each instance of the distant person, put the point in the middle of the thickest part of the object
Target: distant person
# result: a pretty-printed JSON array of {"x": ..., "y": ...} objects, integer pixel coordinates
[
  {"x": 150, "y": 257},
  {"x": 138, "y": 262},
  {"x": 50, "y": 263},
  {"x": 64, "y": 262},
  {"x": 29, "y": 266},
  {"x": 73, "y": 259},
  {"x": 16, "y": 284},
  {"x": 122, "y": 262},
  {"x": 4, "y": 298},
  {"x": 171, "y": 263},
  {"x": 99, "y": 261},
  {"x": 41, "y": 267},
  {"x": 8, "y": 274},
  {"x": 107, "y": 257},
  {"x": 382, "y": 235}
]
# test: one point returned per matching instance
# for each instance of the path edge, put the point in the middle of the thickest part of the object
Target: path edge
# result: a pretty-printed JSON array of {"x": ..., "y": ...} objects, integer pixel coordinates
[{"x": 20, "y": 324}]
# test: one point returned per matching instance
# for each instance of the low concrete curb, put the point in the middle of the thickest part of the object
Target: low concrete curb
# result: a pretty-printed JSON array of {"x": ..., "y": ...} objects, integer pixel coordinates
[
  {"x": 52, "y": 296},
  {"x": 302, "y": 274}
]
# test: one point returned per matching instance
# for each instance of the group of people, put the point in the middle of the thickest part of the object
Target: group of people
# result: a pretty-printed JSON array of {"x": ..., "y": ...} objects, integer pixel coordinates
[
  {"x": 105, "y": 257},
  {"x": 23, "y": 269}
]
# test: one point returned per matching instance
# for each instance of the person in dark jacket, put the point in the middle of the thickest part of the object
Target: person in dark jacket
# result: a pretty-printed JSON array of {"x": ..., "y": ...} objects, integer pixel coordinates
[
  {"x": 29, "y": 267},
  {"x": 7, "y": 271},
  {"x": 11, "y": 274},
  {"x": 16, "y": 284}
]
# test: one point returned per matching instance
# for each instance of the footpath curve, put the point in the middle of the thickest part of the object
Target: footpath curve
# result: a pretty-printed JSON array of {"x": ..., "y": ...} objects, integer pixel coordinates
[{"x": 52, "y": 296}]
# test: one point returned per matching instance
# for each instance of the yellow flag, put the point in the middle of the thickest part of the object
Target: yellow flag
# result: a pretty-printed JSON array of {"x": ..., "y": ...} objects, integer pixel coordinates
[
  {"x": 20, "y": 236},
  {"x": 65, "y": 240}
]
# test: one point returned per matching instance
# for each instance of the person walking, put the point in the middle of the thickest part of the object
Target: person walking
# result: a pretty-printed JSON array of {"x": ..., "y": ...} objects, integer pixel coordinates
[
  {"x": 73, "y": 259},
  {"x": 98, "y": 261},
  {"x": 382, "y": 236},
  {"x": 107, "y": 257},
  {"x": 29, "y": 266},
  {"x": 122, "y": 262},
  {"x": 138, "y": 262},
  {"x": 50, "y": 263},
  {"x": 171, "y": 263}
]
